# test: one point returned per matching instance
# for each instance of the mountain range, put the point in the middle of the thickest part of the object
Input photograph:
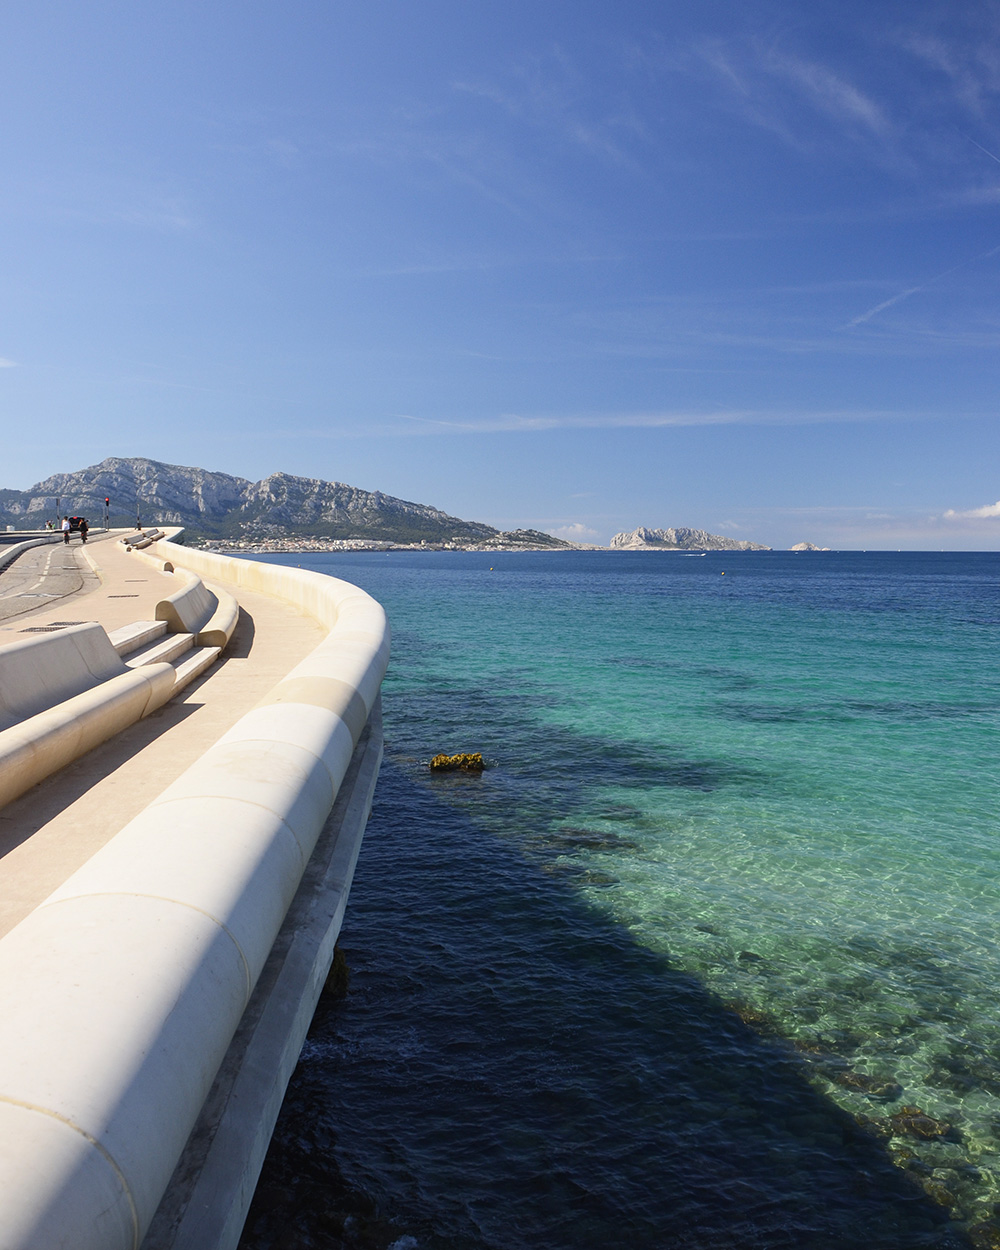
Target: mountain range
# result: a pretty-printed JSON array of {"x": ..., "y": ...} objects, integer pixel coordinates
[{"x": 219, "y": 506}]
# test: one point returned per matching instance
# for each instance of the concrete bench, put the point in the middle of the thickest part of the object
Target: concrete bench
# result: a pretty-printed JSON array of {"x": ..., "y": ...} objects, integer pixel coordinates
[
  {"x": 189, "y": 607},
  {"x": 129, "y": 638},
  {"x": 144, "y": 540},
  {"x": 210, "y": 614},
  {"x": 37, "y": 673},
  {"x": 64, "y": 693}
]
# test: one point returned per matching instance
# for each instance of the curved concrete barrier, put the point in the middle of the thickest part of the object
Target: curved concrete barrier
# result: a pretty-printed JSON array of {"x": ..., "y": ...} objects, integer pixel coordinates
[
  {"x": 123, "y": 990},
  {"x": 9, "y": 554}
]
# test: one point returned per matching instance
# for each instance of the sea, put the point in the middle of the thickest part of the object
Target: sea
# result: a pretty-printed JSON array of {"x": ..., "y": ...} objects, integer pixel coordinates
[{"x": 707, "y": 956}]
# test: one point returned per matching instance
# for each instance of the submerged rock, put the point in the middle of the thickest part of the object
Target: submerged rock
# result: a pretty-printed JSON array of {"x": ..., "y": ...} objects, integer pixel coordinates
[
  {"x": 985, "y": 1236},
  {"x": 580, "y": 875},
  {"x": 573, "y": 837},
  {"x": 592, "y": 876},
  {"x": 965, "y": 1071},
  {"x": 938, "y": 1192},
  {"x": 913, "y": 1122},
  {"x": 811, "y": 1050},
  {"x": 881, "y": 1130},
  {"x": 840, "y": 1041},
  {"x": 758, "y": 1020},
  {"x": 877, "y": 1088}
]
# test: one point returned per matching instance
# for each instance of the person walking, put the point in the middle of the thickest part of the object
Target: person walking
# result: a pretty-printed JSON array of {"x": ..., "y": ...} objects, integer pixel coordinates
[{"x": 65, "y": 530}]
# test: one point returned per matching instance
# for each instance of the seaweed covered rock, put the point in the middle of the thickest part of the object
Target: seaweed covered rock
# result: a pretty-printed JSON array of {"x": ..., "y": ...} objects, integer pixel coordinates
[
  {"x": 879, "y": 1089},
  {"x": 985, "y": 1236},
  {"x": 470, "y": 762},
  {"x": 917, "y": 1123}
]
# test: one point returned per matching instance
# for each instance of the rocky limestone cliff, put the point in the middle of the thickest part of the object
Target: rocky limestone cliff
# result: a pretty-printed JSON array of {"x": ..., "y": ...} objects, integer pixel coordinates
[
  {"x": 807, "y": 547},
  {"x": 217, "y": 505},
  {"x": 167, "y": 493},
  {"x": 680, "y": 539}
]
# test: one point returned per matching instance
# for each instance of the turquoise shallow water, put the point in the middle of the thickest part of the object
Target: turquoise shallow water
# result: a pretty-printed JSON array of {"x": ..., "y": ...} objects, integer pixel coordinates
[{"x": 724, "y": 904}]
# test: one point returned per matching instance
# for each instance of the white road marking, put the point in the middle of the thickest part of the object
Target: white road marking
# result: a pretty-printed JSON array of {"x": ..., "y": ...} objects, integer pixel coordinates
[{"x": 45, "y": 571}]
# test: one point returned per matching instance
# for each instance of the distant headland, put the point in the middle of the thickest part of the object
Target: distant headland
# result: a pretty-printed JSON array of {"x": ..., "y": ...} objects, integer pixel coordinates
[
  {"x": 284, "y": 513},
  {"x": 280, "y": 513}
]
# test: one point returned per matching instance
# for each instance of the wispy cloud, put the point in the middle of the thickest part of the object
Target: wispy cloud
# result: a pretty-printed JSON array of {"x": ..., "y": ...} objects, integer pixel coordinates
[
  {"x": 125, "y": 201},
  {"x": 7, "y": 364},
  {"x": 968, "y": 61},
  {"x": 549, "y": 93},
  {"x": 513, "y": 423},
  {"x": 867, "y": 526},
  {"x": 988, "y": 512},
  {"x": 484, "y": 136},
  {"x": 455, "y": 150},
  {"x": 783, "y": 92},
  {"x": 903, "y": 116},
  {"x": 576, "y": 532},
  {"x": 167, "y": 216},
  {"x": 831, "y": 93}
]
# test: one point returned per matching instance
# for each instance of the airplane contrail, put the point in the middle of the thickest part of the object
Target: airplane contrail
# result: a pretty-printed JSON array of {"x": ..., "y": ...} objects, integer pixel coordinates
[
  {"x": 980, "y": 147},
  {"x": 898, "y": 298},
  {"x": 886, "y": 303},
  {"x": 913, "y": 290}
]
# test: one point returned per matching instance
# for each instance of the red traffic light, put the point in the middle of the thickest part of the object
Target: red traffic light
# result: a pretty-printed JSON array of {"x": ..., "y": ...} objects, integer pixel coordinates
[{"x": 107, "y": 500}]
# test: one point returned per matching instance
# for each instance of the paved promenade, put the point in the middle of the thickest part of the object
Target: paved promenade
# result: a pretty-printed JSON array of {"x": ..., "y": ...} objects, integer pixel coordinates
[{"x": 54, "y": 828}]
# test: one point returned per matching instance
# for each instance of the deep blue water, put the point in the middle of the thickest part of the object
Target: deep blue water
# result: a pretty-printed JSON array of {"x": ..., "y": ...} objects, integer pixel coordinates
[{"x": 708, "y": 956}]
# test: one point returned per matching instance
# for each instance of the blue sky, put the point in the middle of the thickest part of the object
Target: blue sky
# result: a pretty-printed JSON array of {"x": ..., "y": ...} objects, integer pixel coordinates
[{"x": 577, "y": 266}]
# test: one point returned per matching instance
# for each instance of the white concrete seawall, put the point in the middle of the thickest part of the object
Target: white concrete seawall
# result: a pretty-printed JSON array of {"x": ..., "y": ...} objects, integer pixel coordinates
[{"x": 123, "y": 990}]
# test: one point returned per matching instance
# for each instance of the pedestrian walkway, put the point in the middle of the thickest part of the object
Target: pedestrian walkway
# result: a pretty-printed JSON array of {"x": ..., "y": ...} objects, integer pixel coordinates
[
  {"x": 49, "y": 832},
  {"x": 101, "y": 581}
]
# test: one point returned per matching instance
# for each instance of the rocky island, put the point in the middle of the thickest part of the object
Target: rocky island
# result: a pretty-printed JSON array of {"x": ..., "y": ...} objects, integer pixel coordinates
[{"x": 680, "y": 539}]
